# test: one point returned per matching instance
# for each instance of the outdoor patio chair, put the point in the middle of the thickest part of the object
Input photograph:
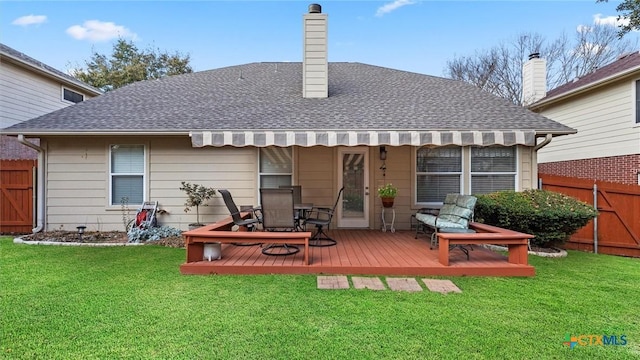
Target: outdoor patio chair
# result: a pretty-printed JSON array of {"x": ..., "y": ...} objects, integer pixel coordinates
[
  {"x": 454, "y": 216},
  {"x": 297, "y": 199},
  {"x": 278, "y": 215},
  {"x": 321, "y": 217},
  {"x": 251, "y": 223}
]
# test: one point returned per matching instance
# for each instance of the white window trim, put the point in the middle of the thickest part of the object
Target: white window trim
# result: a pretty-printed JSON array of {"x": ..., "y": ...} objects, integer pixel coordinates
[
  {"x": 62, "y": 88},
  {"x": 415, "y": 174},
  {"x": 259, "y": 173},
  {"x": 465, "y": 175},
  {"x": 145, "y": 175},
  {"x": 514, "y": 173}
]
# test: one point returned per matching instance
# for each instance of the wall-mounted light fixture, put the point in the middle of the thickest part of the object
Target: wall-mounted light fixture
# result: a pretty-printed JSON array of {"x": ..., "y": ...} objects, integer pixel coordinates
[{"x": 383, "y": 153}]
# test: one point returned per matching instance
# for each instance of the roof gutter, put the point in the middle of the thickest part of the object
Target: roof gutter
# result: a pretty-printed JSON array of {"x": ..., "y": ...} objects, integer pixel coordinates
[{"x": 38, "y": 199}]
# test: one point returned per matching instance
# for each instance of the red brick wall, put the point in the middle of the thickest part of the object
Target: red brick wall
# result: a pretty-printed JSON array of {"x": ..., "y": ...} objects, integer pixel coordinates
[{"x": 617, "y": 169}]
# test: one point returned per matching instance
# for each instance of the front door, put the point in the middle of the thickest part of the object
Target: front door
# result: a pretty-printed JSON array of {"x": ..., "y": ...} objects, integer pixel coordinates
[{"x": 354, "y": 176}]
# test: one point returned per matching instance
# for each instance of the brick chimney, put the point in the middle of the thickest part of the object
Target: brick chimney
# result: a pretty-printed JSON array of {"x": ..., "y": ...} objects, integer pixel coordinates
[
  {"x": 534, "y": 79},
  {"x": 315, "y": 65}
]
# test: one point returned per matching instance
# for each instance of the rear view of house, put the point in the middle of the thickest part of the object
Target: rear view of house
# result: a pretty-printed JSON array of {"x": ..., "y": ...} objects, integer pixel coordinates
[{"x": 318, "y": 124}]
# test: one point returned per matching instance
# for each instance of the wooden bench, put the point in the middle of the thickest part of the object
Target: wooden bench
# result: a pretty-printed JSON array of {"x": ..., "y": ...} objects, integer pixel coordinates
[
  {"x": 221, "y": 232},
  {"x": 516, "y": 242}
]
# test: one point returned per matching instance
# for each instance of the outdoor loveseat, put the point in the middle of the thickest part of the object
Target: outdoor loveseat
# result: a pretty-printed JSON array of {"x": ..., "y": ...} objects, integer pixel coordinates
[{"x": 454, "y": 216}]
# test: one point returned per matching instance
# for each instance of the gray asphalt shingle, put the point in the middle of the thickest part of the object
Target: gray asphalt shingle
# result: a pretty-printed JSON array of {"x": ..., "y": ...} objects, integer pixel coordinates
[{"x": 268, "y": 96}]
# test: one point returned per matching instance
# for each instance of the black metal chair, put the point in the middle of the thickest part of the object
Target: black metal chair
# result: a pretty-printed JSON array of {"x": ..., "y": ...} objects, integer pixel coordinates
[
  {"x": 321, "y": 217},
  {"x": 251, "y": 223},
  {"x": 278, "y": 214}
]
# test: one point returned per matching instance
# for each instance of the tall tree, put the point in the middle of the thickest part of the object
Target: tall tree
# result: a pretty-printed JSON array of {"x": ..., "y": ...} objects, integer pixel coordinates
[
  {"x": 629, "y": 16},
  {"x": 499, "y": 70},
  {"x": 128, "y": 64}
]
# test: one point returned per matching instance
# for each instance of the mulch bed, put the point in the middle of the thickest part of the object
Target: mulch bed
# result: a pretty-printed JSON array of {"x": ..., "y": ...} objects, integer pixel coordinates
[{"x": 98, "y": 237}]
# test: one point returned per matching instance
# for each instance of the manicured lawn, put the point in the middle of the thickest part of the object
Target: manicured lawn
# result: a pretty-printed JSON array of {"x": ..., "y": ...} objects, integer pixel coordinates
[{"x": 63, "y": 302}]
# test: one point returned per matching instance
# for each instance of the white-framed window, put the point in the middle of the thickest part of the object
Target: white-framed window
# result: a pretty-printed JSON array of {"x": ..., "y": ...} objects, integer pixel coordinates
[
  {"x": 72, "y": 96},
  {"x": 493, "y": 168},
  {"x": 276, "y": 167},
  {"x": 126, "y": 173},
  {"x": 438, "y": 173}
]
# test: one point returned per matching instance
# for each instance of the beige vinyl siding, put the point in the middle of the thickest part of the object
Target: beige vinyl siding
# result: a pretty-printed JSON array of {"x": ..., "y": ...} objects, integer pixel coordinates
[
  {"x": 399, "y": 172},
  {"x": 26, "y": 95},
  {"x": 605, "y": 124},
  {"x": 78, "y": 180},
  {"x": 527, "y": 169},
  {"x": 316, "y": 171}
]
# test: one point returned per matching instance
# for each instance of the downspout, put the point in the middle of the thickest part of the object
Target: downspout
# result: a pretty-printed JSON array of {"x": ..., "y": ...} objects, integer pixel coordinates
[
  {"x": 39, "y": 197},
  {"x": 547, "y": 140}
]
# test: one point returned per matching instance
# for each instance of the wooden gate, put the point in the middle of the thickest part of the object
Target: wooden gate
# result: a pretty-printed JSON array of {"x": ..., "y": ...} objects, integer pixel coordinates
[
  {"x": 616, "y": 230},
  {"x": 16, "y": 200}
]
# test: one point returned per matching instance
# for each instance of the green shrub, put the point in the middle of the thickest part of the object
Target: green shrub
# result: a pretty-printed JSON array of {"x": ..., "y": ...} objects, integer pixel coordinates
[
  {"x": 151, "y": 233},
  {"x": 550, "y": 216}
]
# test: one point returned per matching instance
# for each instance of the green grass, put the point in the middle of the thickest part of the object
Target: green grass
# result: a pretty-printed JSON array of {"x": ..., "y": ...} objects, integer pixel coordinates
[{"x": 132, "y": 302}]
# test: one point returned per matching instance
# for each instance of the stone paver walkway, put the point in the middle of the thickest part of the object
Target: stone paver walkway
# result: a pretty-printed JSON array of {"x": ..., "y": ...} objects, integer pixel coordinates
[
  {"x": 372, "y": 283},
  {"x": 333, "y": 282},
  {"x": 394, "y": 283},
  {"x": 403, "y": 284},
  {"x": 441, "y": 286}
]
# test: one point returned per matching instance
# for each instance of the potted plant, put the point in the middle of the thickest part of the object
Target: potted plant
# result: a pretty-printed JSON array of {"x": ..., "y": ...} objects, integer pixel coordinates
[
  {"x": 387, "y": 194},
  {"x": 197, "y": 195}
]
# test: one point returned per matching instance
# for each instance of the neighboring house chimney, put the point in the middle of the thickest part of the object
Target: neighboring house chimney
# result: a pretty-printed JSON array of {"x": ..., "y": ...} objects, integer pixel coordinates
[
  {"x": 534, "y": 79},
  {"x": 315, "y": 66}
]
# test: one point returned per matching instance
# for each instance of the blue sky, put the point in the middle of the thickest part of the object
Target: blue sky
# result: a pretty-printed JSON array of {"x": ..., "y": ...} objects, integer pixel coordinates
[{"x": 412, "y": 35}]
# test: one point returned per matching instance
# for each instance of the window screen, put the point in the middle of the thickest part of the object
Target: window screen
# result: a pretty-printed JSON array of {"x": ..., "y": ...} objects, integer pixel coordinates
[
  {"x": 438, "y": 173},
  {"x": 275, "y": 167},
  {"x": 493, "y": 168},
  {"x": 72, "y": 96},
  {"x": 127, "y": 174}
]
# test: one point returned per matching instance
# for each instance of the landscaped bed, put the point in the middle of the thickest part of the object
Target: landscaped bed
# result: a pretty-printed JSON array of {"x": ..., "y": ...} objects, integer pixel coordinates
[{"x": 94, "y": 237}]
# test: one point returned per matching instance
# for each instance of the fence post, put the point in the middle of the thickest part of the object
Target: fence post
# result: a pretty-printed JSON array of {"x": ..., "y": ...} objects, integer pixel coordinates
[{"x": 595, "y": 219}]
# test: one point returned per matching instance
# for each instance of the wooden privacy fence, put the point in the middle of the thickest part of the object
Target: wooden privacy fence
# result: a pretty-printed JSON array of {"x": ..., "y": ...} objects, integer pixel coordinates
[
  {"x": 16, "y": 195},
  {"x": 616, "y": 230}
]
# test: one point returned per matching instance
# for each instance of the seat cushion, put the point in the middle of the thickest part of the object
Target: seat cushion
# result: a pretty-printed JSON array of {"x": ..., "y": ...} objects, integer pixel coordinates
[
  {"x": 449, "y": 222},
  {"x": 428, "y": 219}
]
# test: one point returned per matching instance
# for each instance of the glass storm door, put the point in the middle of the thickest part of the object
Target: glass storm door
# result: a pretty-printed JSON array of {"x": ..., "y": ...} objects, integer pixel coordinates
[{"x": 353, "y": 209}]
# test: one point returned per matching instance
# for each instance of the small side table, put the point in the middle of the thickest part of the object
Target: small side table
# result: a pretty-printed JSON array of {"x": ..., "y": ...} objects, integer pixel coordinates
[{"x": 385, "y": 225}]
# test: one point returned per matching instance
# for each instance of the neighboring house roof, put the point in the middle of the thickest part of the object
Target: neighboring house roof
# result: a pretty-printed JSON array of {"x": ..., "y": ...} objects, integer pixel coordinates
[
  {"x": 623, "y": 66},
  {"x": 16, "y": 56},
  {"x": 244, "y": 100}
]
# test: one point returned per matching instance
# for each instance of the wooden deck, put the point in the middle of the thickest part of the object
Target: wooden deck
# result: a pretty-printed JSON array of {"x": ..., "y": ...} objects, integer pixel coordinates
[{"x": 363, "y": 252}]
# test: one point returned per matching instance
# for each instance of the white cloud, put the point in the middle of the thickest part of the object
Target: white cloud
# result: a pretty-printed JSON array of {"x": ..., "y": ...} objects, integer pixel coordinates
[
  {"x": 598, "y": 19},
  {"x": 389, "y": 7},
  {"x": 30, "y": 20},
  {"x": 609, "y": 20},
  {"x": 96, "y": 30}
]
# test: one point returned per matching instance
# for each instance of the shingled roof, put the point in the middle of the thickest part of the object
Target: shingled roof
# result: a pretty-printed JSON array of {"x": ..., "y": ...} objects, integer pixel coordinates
[{"x": 268, "y": 97}]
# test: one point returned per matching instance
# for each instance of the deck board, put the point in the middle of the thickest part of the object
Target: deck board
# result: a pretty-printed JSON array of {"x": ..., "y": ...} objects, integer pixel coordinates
[{"x": 363, "y": 252}]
